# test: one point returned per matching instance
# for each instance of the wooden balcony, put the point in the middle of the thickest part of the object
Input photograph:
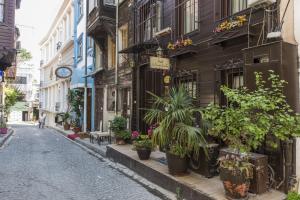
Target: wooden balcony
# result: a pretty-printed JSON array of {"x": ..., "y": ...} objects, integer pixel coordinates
[
  {"x": 255, "y": 23},
  {"x": 101, "y": 20}
]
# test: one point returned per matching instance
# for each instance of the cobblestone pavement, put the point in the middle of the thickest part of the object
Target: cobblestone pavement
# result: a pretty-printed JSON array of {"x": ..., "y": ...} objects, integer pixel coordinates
[{"x": 42, "y": 165}]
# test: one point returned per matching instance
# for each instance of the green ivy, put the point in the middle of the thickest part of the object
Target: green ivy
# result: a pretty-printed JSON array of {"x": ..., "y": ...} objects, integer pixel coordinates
[{"x": 76, "y": 102}]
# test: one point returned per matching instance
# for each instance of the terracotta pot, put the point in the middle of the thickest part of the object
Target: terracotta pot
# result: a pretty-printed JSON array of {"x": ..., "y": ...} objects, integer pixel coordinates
[
  {"x": 120, "y": 141},
  {"x": 176, "y": 164},
  {"x": 236, "y": 184},
  {"x": 76, "y": 129},
  {"x": 3, "y": 130},
  {"x": 144, "y": 154},
  {"x": 66, "y": 126}
]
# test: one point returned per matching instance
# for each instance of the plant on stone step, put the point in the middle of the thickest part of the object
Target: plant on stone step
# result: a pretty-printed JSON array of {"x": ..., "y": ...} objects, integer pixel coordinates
[{"x": 174, "y": 117}]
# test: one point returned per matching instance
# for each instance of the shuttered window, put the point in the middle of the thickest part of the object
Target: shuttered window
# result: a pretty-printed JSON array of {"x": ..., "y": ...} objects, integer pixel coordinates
[{"x": 2, "y": 10}]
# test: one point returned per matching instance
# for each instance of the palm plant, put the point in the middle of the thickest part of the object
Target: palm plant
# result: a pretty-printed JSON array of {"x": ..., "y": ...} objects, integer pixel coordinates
[{"x": 175, "y": 118}]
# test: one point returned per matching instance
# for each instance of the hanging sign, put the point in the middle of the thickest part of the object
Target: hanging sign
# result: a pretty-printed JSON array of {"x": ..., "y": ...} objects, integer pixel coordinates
[
  {"x": 159, "y": 63},
  {"x": 63, "y": 72}
]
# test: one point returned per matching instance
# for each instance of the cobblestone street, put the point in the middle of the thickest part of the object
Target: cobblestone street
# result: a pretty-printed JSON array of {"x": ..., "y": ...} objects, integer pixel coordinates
[{"x": 42, "y": 165}]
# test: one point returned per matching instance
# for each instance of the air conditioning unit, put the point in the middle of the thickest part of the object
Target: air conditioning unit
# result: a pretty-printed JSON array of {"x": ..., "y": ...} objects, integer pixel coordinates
[{"x": 252, "y": 3}]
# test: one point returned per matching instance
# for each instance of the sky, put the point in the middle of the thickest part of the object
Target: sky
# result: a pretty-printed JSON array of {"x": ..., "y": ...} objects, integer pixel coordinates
[{"x": 34, "y": 19}]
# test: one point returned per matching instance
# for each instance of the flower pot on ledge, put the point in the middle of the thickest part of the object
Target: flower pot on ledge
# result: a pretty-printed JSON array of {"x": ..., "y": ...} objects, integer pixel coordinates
[
  {"x": 66, "y": 126},
  {"x": 176, "y": 164},
  {"x": 76, "y": 130},
  {"x": 143, "y": 153}
]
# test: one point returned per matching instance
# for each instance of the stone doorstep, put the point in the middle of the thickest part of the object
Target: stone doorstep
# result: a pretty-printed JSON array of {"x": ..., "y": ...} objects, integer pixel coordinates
[
  {"x": 193, "y": 186},
  {"x": 4, "y": 138}
]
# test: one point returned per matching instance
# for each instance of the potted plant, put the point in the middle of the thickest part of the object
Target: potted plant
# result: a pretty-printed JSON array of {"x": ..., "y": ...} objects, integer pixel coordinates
[
  {"x": 175, "y": 130},
  {"x": 118, "y": 126},
  {"x": 142, "y": 144},
  {"x": 66, "y": 117},
  {"x": 244, "y": 124},
  {"x": 76, "y": 125},
  {"x": 3, "y": 128}
]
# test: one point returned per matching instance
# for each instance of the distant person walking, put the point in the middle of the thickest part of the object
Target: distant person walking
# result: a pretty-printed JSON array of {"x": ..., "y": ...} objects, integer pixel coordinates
[{"x": 42, "y": 120}]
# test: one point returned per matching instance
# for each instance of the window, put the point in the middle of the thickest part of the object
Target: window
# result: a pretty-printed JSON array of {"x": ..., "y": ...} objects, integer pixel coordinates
[
  {"x": 20, "y": 80},
  {"x": 80, "y": 9},
  {"x": 2, "y": 10},
  {"x": 92, "y": 5},
  {"x": 237, "y": 6},
  {"x": 230, "y": 7},
  {"x": 98, "y": 57},
  {"x": 150, "y": 19},
  {"x": 111, "y": 53},
  {"x": 111, "y": 99},
  {"x": 90, "y": 42},
  {"x": 123, "y": 43},
  {"x": 187, "y": 16},
  {"x": 79, "y": 48}
]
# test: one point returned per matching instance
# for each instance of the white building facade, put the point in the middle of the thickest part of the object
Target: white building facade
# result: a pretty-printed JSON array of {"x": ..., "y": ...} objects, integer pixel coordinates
[{"x": 57, "y": 49}]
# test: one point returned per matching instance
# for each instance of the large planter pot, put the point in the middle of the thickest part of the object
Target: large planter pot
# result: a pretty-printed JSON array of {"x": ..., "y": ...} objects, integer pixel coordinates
[
  {"x": 66, "y": 126},
  {"x": 3, "y": 130},
  {"x": 76, "y": 130},
  {"x": 144, "y": 154},
  {"x": 120, "y": 141},
  {"x": 176, "y": 164},
  {"x": 235, "y": 183}
]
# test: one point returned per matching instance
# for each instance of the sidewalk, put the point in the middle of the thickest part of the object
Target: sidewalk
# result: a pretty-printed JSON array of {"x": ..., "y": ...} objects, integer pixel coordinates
[
  {"x": 193, "y": 186},
  {"x": 4, "y": 138}
]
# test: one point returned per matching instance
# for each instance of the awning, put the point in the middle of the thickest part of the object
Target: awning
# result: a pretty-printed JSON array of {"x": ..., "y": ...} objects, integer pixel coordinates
[{"x": 139, "y": 47}]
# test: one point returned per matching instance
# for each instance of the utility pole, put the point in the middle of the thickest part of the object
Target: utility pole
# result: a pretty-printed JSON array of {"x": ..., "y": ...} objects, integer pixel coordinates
[{"x": 117, "y": 56}]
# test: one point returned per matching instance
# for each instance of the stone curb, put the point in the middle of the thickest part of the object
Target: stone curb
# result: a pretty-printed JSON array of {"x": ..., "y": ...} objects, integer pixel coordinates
[
  {"x": 6, "y": 137},
  {"x": 101, "y": 155}
]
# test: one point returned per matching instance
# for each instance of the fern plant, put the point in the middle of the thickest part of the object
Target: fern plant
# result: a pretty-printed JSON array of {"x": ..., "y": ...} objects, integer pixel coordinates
[{"x": 174, "y": 116}]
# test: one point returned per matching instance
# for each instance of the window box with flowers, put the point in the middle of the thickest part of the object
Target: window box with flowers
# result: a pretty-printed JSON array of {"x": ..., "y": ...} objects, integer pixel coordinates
[{"x": 181, "y": 47}]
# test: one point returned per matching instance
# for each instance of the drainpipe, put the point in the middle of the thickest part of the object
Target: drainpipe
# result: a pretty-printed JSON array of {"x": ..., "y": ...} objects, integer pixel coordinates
[
  {"x": 117, "y": 57},
  {"x": 297, "y": 37},
  {"x": 85, "y": 71}
]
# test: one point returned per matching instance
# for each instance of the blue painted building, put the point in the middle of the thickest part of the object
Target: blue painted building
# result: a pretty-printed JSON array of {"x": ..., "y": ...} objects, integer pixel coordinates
[{"x": 83, "y": 60}]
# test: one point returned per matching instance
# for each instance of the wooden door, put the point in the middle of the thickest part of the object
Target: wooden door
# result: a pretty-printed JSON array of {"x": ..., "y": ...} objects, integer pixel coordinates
[{"x": 99, "y": 109}]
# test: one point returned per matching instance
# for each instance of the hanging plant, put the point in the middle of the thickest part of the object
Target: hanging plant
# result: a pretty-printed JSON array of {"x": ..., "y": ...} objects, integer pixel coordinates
[{"x": 234, "y": 22}]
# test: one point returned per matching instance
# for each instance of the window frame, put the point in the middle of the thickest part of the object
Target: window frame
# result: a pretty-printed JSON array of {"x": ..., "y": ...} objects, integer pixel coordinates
[
  {"x": 149, "y": 19},
  {"x": 181, "y": 17},
  {"x": 80, "y": 11},
  {"x": 226, "y": 8},
  {"x": 80, "y": 50},
  {"x": 2, "y": 5}
]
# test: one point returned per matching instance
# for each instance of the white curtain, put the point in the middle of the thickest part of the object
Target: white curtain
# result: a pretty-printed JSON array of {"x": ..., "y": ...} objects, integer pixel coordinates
[{"x": 1, "y": 10}]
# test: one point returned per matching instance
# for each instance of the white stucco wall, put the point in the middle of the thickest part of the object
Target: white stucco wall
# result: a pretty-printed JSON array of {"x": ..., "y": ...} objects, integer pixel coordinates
[{"x": 297, "y": 37}]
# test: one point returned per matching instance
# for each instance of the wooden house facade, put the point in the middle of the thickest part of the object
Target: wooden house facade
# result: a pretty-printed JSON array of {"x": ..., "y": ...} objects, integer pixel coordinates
[
  {"x": 112, "y": 75},
  {"x": 8, "y": 32},
  {"x": 210, "y": 43}
]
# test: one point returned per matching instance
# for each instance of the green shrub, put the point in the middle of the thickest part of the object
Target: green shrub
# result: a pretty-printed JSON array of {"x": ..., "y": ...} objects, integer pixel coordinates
[
  {"x": 293, "y": 196},
  {"x": 119, "y": 124}
]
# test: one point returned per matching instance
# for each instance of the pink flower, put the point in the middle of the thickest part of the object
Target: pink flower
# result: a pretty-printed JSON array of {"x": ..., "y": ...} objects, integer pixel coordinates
[
  {"x": 135, "y": 134},
  {"x": 150, "y": 132}
]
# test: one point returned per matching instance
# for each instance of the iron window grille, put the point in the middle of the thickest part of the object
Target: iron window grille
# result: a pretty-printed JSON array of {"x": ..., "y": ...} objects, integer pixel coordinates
[
  {"x": 229, "y": 74},
  {"x": 149, "y": 19}
]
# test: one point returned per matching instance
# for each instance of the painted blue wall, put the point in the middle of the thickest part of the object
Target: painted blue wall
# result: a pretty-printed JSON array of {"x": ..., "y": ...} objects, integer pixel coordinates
[{"x": 78, "y": 76}]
